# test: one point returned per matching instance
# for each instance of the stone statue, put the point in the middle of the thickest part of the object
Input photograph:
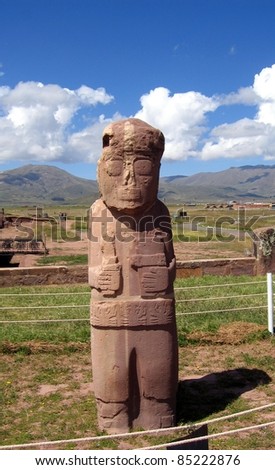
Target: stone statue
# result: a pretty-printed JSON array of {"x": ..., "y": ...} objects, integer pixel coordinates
[{"x": 131, "y": 274}]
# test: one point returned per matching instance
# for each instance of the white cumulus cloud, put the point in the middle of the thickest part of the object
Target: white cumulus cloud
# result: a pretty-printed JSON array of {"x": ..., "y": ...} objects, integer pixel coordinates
[
  {"x": 46, "y": 123},
  {"x": 181, "y": 117},
  {"x": 86, "y": 145},
  {"x": 35, "y": 119},
  {"x": 247, "y": 137}
]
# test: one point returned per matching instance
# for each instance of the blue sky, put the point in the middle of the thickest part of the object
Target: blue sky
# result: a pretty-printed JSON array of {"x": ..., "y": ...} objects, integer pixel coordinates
[{"x": 202, "y": 71}]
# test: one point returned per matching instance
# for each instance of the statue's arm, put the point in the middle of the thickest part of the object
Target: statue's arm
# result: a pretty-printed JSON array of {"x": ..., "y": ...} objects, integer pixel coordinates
[
  {"x": 165, "y": 223},
  {"x": 104, "y": 268}
]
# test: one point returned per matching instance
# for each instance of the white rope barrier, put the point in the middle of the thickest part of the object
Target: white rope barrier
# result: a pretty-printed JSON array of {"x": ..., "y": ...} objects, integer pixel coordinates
[
  {"x": 155, "y": 431},
  {"x": 87, "y": 305},
  {"x": 179, "y": 314},
  {"x": 57, "y": 320},
  {"x": 219, "y": 298},
  {"x": 221, "y": 311},
  {"x": 41, "y": 307},
  {"x": 41, "y": 294},
  {"x": 139, "y": 433},
  {"x": 207, "y": 286},
  {"x": 210, "y": 436}
]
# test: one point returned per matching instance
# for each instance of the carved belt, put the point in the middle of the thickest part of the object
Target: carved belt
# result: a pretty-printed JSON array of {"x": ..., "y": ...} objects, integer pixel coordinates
[{"x": 132, "y": 313}]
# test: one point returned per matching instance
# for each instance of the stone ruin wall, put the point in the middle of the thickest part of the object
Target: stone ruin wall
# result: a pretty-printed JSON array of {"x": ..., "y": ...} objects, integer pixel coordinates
[{"x": 50, "y": 275}]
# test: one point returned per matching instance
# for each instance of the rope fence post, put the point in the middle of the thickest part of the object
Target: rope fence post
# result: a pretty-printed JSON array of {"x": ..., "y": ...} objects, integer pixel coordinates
[{"x": 270, "y": 310}]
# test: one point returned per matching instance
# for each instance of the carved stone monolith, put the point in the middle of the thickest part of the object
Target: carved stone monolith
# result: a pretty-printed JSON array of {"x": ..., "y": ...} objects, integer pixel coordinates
[
  {"x": 131, "y": 273},
  {"x": 264, "y": 249}
]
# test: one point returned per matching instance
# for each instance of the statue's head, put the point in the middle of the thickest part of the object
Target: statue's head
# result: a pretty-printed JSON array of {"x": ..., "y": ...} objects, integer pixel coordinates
[{"x": 128, "y": 170}]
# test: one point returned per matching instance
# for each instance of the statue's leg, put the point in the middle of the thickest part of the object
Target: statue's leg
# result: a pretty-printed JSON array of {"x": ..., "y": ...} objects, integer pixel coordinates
[
  {"x": 110, "y": 360},
  {"x": 157, "y": 366},
  {"x": 112, "y": 416}
]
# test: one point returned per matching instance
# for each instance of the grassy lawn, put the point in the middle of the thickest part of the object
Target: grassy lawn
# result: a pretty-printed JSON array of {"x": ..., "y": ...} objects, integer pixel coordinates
[
  {"x": 63, "y": 259},
  {"x": 226, "y": 359},
  {"x": 239, "y": 298}
]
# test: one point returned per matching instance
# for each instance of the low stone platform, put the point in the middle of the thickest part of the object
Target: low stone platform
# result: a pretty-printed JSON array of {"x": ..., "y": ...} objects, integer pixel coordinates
[
  {"x": 217, "y": 267},
  {"x": 47, "y": 275}
]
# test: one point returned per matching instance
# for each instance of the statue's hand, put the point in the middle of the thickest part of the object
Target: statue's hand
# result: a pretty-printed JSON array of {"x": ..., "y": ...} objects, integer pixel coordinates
[
  {"x": 109, "y": 279},
  {"x": 154, "y": 279}
]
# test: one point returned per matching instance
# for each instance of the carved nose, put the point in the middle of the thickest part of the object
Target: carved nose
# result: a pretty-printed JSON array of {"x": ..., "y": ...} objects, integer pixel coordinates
[{"x": 129, "y": 175}]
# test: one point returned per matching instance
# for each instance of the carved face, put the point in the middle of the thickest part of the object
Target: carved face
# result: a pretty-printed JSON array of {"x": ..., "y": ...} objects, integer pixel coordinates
[{"x": 128, "y": 171}]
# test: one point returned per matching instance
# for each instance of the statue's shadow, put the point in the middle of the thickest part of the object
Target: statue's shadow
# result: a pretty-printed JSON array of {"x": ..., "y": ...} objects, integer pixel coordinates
[{"x": 199, "y": 398}]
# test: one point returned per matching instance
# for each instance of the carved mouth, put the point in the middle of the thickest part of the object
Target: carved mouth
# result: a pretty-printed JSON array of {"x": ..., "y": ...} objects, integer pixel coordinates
[{"x": 129, "y": 194}]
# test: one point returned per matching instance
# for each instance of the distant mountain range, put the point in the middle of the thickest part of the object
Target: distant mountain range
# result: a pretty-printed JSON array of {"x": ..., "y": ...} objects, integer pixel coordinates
[
  {"x": 44, "y": 184},
  {"x": 237, "y": 183}
]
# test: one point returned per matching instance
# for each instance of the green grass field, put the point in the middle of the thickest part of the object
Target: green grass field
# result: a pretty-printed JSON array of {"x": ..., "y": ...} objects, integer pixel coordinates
[
  {"x": 46, "y": 371},
  {"x": 234, "y": 299}
]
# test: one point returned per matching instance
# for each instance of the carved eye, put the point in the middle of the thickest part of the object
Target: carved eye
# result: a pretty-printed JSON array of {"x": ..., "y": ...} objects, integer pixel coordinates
[
  {"x": 106, "y": 140},
  {"x": 143, "y": 167},
  {"x": 114, "y": 167}
]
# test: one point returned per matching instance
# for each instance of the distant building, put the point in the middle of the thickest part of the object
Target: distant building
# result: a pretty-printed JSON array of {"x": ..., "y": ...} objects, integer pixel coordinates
[{"x": 252, "y": 205}]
